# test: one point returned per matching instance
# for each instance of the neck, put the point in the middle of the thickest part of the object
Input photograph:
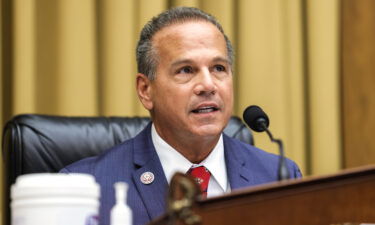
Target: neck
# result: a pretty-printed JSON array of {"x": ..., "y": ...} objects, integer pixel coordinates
[
  {"x": 196, "y": 151},
  {"x": 193, "y": 148}
]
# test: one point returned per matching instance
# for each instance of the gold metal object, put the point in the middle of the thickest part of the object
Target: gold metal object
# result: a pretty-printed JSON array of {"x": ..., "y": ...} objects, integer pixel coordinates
[{"x": 183, "y": 192}]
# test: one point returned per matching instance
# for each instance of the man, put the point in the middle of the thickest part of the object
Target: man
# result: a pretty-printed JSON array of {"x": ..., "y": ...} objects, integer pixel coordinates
[{"x": 185, "y": 81}]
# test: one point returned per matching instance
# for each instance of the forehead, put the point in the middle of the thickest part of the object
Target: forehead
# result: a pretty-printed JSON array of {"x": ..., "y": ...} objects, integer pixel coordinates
[{"x": 181, "y": 38}]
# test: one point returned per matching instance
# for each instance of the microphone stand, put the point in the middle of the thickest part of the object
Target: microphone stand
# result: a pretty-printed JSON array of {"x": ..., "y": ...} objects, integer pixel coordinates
[{"x": 283, "y": 172}]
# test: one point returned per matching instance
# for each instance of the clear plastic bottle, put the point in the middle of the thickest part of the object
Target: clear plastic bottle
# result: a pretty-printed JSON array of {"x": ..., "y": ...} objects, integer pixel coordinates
[{"x": 121, "y": 214}]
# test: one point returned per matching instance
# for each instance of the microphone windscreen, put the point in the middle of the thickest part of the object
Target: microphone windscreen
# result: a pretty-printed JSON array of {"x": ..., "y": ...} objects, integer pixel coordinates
[{"x": 254, "y": 117}]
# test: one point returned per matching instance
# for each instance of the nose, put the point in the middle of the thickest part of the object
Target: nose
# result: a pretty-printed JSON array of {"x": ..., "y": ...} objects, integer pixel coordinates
[{"x": 205, "y": 83}]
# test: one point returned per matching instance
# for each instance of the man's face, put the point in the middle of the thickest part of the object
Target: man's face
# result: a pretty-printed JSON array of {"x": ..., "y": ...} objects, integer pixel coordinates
[{"x": 192, "y": 94}]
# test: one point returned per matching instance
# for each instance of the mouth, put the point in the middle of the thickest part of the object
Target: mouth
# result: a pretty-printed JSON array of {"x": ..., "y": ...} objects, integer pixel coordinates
[{"x": 205, "y": 109}]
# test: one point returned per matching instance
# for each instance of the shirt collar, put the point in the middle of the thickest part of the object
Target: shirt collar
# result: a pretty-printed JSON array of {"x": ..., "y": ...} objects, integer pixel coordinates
[
  {"x": 215, "y": 163},
  {"x": 172, "y": 161}
]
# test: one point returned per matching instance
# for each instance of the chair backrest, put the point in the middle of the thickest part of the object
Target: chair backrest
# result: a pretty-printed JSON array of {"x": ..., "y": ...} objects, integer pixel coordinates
[{"x": 40, "y": 143}]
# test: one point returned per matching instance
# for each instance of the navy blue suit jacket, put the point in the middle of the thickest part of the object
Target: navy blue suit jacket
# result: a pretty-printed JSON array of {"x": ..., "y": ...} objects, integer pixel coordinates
[{"x": 246, "y": 166}]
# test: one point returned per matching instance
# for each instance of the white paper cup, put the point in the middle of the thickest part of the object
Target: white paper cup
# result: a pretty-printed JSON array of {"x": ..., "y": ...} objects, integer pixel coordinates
[{"x": 55, "y": 199}]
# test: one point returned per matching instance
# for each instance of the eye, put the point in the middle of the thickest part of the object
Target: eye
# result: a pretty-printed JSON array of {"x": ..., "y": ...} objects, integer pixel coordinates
[
  {"x": 219, "y": 68},
  {"x": 186, "y": 69}
]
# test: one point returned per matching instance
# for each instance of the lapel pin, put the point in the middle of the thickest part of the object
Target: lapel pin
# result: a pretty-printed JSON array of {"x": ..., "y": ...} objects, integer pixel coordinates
[{"x": 147, "y": 177}]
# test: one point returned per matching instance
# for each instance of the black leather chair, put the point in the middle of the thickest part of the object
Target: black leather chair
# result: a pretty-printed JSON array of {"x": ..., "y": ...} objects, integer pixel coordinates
[{"x": 40, "y": 143}]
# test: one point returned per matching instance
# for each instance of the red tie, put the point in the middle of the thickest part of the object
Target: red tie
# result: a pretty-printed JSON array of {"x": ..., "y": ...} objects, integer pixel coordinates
[{"x": 202, "y": 177}]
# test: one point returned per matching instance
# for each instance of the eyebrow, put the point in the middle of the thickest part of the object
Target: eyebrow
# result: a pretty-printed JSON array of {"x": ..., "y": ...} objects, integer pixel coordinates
[
  {"x": 182, "y": 61},
  {"x": 221, "y": 59},
  {"x": 188, "y": 61}
]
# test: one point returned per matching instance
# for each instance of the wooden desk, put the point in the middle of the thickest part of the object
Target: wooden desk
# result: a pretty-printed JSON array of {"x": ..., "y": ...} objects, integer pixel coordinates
[{"x": 345, "y": 197}]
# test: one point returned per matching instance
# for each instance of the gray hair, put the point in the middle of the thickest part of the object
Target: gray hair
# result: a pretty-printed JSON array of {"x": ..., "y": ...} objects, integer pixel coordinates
[{"x": 147, "y": 59}]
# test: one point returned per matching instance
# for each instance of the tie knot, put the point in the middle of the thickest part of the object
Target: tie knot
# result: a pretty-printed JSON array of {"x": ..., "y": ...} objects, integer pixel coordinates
[{"x": 202, "y": 177}]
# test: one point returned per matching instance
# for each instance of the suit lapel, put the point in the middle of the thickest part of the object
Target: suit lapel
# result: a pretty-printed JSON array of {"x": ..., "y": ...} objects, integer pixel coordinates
[
  {"x": 147, "y": 160},
  {"x": 239, "y": 175}
]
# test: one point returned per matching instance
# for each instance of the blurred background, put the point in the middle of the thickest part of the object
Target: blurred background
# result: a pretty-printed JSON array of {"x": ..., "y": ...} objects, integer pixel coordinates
[{"x": 308, "y": 63}]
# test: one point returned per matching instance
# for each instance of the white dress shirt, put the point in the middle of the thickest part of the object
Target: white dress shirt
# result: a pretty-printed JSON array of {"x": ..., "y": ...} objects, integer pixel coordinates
[{"x": 172, "y": 161}]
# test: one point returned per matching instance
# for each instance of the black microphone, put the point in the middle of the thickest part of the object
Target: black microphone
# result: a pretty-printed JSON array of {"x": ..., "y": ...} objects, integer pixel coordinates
[{"x": 258, "y": 121}]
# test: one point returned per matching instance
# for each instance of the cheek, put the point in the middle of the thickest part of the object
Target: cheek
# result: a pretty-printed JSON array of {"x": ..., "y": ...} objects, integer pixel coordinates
[
  {"x": 171, "y": 99},
  {"x": 229, "y": 100},
  {"x": 228, "y": 91}
]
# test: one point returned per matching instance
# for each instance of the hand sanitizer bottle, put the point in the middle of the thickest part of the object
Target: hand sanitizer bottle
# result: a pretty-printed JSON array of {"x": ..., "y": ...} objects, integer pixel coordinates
[{"x": 121, "y": 214}]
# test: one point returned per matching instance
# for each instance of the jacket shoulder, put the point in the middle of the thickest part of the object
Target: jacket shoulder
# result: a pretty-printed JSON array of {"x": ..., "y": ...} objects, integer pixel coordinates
[
  {"x": 260, "y": 159},
  {"x": 103, "y": 160}
]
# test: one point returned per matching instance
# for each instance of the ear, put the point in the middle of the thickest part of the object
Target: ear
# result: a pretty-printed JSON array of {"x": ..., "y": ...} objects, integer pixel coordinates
[{"x": 144, "y": 91}]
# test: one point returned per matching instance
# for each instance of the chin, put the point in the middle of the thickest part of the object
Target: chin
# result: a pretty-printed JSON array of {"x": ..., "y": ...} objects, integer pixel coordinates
[{"x": 209, "y": 130}]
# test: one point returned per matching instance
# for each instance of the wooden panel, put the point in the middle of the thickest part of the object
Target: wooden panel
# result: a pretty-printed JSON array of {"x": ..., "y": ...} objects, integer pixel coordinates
[
  {"x": 358, "y": 81},
  {"x": 326, "y": 200},
  {"x": 312, "y": 201},
  {"x": 6, "y": 57}
]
